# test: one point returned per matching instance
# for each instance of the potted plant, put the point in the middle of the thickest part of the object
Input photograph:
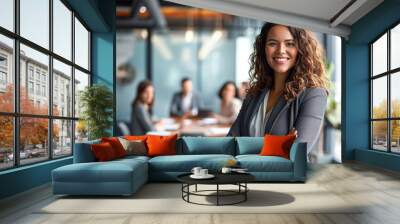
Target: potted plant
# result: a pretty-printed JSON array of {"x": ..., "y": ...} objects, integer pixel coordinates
[{"x": 96, "y": 102}]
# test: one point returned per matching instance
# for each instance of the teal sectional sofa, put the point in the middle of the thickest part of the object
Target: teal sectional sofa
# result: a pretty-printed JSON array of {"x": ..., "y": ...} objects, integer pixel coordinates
[{"x": 125, "y": 176}]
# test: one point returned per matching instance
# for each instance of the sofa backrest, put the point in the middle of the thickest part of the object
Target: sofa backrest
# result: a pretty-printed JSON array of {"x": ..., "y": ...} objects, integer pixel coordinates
[
  {"x": 190, "y": 146},
  {"x": 206, "y": 145},
  {"x": 83, "y": 152},
  {"x": 249, "y": 145}
]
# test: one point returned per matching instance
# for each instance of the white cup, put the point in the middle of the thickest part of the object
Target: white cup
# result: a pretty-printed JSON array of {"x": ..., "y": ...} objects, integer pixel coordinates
[
  {"x": 226, "y": 170},
  {"x": 203, "y": 172},
  {"x": 196, "y": 171}
]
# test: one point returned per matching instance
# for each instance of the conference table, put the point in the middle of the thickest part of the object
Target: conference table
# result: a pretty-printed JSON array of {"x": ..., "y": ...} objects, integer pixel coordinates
[{"x": 207, "y": 126}]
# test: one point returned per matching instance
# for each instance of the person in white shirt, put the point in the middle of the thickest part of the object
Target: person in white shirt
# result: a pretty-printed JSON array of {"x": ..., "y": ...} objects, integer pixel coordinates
[{"x": 230, "y": 103}]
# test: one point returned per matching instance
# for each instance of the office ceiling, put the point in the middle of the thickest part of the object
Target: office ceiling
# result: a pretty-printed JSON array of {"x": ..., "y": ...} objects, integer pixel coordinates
[
  {"x": 139, "y": 13},
  {"x": 326, "y": 16}
]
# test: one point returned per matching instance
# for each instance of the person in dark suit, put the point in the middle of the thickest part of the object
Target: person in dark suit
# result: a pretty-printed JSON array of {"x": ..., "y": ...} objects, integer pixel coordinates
[
  {"x": 288, "y": 86},
  {"x": 186, "y": 102},
  {"x": 142, "y": 109}
]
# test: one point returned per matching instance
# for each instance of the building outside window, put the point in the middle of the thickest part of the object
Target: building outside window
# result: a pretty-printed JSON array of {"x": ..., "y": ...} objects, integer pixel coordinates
[
  {"x": 3, "y": 61},
  {"x": 43, "y": 90},
  {"x": 30, "y": 72},
  {"x": 37, "y": 75},
  {"x": 38, "y": 89},
  {"x": 3, "y": 71},
  {"x": 30, "y": 87},
  {"x": 44, "y": 77},
  {"x": 3, "y": 78}
]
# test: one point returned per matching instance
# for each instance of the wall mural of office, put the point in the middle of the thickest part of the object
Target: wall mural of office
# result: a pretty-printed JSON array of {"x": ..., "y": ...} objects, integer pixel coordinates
[{"x": 209, "y": 58}]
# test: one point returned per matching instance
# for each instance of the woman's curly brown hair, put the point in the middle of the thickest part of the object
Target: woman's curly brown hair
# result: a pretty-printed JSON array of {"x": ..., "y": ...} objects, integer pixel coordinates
[{"x": 309, "y": 70}]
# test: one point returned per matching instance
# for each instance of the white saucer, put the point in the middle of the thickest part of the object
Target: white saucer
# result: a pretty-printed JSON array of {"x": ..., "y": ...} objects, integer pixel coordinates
[{"x": 208, "y": 176}]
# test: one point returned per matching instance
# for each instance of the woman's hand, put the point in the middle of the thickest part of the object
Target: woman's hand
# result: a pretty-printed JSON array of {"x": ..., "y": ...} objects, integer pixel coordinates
[{"x": 293, "y": 132}]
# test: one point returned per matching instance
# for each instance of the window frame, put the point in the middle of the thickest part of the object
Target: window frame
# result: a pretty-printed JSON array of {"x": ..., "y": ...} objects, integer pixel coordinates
[
  {"x": 388, "y": 74},
  {"x": 16, "y": 115}
]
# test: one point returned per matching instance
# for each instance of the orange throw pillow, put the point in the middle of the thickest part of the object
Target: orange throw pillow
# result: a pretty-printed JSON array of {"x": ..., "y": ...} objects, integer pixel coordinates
[
  {"x": 103, "y": 152},
  {"x": 161, "y": 145},
  {"x": 135, "y": 137},
  {"x": 277, "y": 145},
  {"x": 116, "y": 145}
]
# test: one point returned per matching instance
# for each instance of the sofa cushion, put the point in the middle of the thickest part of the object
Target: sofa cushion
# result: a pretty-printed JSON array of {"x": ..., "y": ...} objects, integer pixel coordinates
[
  {"x": 207, "y": 145},
  {"x": 277, "y": 145},
  {"x": 83, "y": 152},
  {"x": 249, "y": 145},
  {"x": 116, "y": 145},
  {"x": 134, "y": 147},
  {"x": 185, "y": 163},
  {"x": 103, "y": 152},
  {"x": 112, "y": 171},
  {"x": 161, "y": 145},
  {"x": 132, "y": 158},
  {"x": 257, "y": 163},
  {"x": 135, "y": 137}
]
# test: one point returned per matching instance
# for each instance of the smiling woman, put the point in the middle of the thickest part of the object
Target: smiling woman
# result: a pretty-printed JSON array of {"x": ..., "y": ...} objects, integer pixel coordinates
[{"x": 288, "y": 86}]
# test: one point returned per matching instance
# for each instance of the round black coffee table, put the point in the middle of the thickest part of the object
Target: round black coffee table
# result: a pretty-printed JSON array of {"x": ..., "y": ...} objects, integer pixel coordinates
[{"x": 238, "y": 179}]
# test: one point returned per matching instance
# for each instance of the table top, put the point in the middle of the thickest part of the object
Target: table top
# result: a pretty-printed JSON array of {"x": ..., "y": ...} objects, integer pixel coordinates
[
  {"x": 220, "y": 178},
  {"x": 192, "y": 127}
]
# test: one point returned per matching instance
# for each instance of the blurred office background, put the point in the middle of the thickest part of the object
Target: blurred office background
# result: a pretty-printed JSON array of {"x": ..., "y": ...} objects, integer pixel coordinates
[{"x": 164, "y": 42}]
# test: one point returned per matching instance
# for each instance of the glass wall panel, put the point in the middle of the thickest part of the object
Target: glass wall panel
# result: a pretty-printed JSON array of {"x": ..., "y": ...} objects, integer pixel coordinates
[
  {"x": 395, "y": 95},
  {"x": 81, "y": 81},
  {"x": 379, "y": 135},
  {"x": 379, "y": 56},
  {"x": 34, "y": 78},
  {"x": 379, "y": 98},
  {"x": 81, "y": 131},
  {"x": 395, "y": 136},
  {"x": 6, "y": 74},
  {"x": 7, "y": 14},
  {"x": 81, "y": 45},
  {"x": 62, "y": 138},
  {"x": 62, "y": 29},
  {"x": 395, "y": 47},
  {"x": 34, "y": 21},
  {"x": 6, "y": 142},
  {"x": 62, "y": 89},
  {"x": 34, "y": 144}
]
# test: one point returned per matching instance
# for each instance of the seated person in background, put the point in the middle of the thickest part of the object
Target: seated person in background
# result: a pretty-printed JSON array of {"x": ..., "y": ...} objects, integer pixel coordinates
[
  {"x": 186, "y": 102},
  {"x": 244, "y": 86},
  {"x": 230, "y": 104},
  {"x": 142, "y": 107}
]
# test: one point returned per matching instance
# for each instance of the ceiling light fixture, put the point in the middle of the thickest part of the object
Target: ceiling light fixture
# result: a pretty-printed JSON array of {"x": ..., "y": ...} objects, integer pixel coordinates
[
  {"x": 142, "y": 9},
  {"x": 189, "y": 34}
]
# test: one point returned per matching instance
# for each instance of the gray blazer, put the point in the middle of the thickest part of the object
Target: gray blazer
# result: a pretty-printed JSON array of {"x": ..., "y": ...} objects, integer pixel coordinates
[
  {"x": 176, "y": 104},
  {"x": 141, "y": 120},
  {"x": 305, "y": 113}
]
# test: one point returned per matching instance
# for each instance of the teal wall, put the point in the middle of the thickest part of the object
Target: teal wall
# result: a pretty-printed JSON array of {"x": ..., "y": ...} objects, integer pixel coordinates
[
  {"x": 103, "y": 52},
  {"x": 355, "y": 129},
  {"x": 24, "y": 178},
  {"x": 100, "y": 17}
]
